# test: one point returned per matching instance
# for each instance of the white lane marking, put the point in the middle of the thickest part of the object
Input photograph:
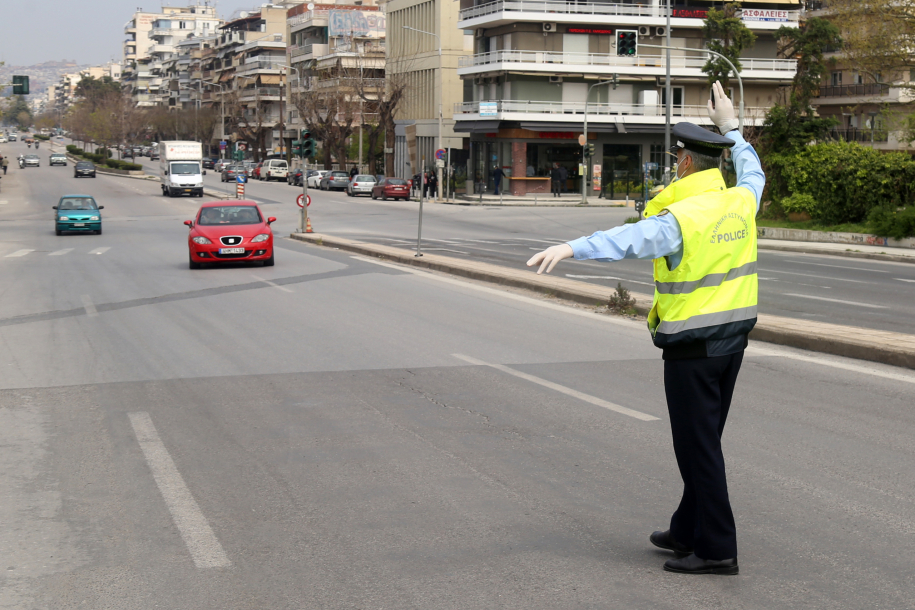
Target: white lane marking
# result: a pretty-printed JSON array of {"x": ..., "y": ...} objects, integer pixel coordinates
[
  {"x": 561, "y": 389},
  {"x": 61, "y": 252},
  {"x": 18, "y": 253},
  {"x": 99, "y": 251},
  {"x": 807, "y": 296},
  {"x": 4, "y": 202},
  {"x": 755, "y": 349},
  {"x": 903, "y": 279},
  {"x": 269, "y": 283},
  {"x": 840, "y": 267},
  {"x": 772, "y": 279},
  {"x": 820, "y": 277},
  {"x": 193, "y": 526},
  {"x": 91, "y": 311},
  {"x": 606, "y": 277}
]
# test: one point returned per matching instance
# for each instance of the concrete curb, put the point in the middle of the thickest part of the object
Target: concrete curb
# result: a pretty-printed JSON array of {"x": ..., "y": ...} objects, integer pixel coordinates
[
  {"x": 891, "y": 348},
  {"x": 762, "y": 245}
]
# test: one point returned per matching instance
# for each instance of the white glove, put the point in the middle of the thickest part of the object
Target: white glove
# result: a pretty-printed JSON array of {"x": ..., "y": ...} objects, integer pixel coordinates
[
  {"x": 549, "y": 257},
  {"x": 722, "y": 114}
]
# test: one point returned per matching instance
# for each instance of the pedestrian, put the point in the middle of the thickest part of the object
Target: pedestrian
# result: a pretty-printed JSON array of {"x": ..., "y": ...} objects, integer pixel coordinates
[
  {"x": 4, "y": 163},
  {"x": 353, "y": 172},
  {"x": 702, "y": 237},
  {"x": 530, "y": 170},
  {"x": 431, "y": 184},
  {"x": 497, "y": 175},
  {"x": 556, "y": 179},
  {"x": 564, "y": 178}
]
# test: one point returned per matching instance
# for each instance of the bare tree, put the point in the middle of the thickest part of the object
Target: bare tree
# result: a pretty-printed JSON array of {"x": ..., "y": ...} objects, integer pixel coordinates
[
  {"x": 250, "y": 120},
  {"x": 330, "y": 106}
]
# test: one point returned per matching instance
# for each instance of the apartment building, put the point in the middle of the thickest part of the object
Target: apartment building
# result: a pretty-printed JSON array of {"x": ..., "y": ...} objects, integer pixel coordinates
[
  {"x": 534, "y": 65},
  {"x": 337, "y": 55},
  {"x": 869, "y": 108},
  {"x": 431, "y": 80},
  {"x": 249, "y": 76}
]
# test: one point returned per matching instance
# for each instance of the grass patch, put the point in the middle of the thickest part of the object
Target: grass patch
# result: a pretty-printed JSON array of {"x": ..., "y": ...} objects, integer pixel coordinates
[{"x": 812, "y": 225}]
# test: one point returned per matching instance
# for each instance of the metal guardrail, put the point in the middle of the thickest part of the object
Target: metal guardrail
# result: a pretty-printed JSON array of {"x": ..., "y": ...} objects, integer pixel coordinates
[
  {"x": 854, "y": 90},
  {"x": 259, "y": 92},
  {"x": 860, "y": 134},
  {"x": 563, "y": 60},
  {"x": 573, "y": 108}
]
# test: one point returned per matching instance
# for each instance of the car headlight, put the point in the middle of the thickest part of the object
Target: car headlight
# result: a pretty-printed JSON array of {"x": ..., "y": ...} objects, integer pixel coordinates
[
  {"x": 201, "y": 240},
  {"x": 64, "y": 218},
  {"x": 260, "y": 238},
  {"x": 93, "y": 218}
]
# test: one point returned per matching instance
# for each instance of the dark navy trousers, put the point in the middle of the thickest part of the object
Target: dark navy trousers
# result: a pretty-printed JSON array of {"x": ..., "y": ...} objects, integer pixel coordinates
[{"x": 699, "y": 392}]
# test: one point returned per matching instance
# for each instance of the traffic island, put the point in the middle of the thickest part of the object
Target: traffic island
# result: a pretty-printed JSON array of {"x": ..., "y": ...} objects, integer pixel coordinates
[{"x": 891, "y": 348}]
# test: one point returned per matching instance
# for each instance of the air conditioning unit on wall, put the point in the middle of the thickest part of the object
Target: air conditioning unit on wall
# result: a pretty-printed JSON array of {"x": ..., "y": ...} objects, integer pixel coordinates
[
  {"x": 549, "y": 27},
  {"x": 644, "y": 30},
  {"x": 660, "y": 31},
  {"x": 555, "y": 79}
]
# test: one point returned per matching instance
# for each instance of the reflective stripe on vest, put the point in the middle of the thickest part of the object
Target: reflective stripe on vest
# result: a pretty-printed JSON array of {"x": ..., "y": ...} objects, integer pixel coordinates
[{"x": 712, "y": 293}]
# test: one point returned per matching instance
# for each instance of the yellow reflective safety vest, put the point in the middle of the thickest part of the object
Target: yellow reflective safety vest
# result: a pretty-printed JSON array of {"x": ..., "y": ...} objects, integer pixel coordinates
[{"x": 712, "y": 294}]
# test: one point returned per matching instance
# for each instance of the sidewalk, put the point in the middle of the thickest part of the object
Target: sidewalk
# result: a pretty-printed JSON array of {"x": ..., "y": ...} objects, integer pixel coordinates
[
  {"x": 896, "y": 349},
  {"x": 880, "y": 253},
  {"x": 541, "y": 200}
]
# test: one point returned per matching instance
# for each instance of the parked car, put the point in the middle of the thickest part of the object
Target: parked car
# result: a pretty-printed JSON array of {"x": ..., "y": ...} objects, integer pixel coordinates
[
  {"x": 314, "y": 177},
  {"x": 57, "y": 159},
  {"x": 335, "y": 180},
  {"x": 209, "y": 163},
  {"x": 294, "y": 177},
  {"x": 78, "y": 213},
  {"x": 153, "y": 154},
  {"x": 361, "y": 184},
  {"x": 225, "y": 232},
  {"x": 84, "y": 168},
  {"x": 222, "y": 164},
  {"x": 257, "y": 171},
  {"x": 232, "y": 171},
  {"x": 250, "y": 164},
  {"x": 274, "y": 169},
  {"x": 394, "y": 188}
]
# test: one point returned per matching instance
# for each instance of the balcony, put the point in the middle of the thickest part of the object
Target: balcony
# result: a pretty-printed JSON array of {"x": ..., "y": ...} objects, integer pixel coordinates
[
  {"x": 160, "y": 32},
  {"x": 261, "y": 93},
  {"x": 602, "y": 63},
  {"x": 258, "y": 65},
  {"x": 350, "y": 83},
  {"x": 308, "y": 19},
  {"x": 860, "y": 134},
  {"x": 504, "y": 12},
  {"x": 871, "y": 89},
  {"x": 573, "y": 112}
]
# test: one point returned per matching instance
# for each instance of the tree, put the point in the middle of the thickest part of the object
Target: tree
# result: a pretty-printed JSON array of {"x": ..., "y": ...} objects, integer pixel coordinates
[
  {"x": 726, "y": 34},
  {"x": 94, "y": 91},
  {"x": 24, "y": 120},
  {"x": 250, "y": 120},
  {"x": 330, "y": 112}
]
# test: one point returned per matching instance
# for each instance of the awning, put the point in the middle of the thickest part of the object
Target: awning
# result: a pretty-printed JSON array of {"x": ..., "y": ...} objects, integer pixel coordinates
[
  {"x": 226, "y": 76},
  {"x": 562, "y": 126},
  {"x": 476, "y": 126},
  {"x": 270, "y": 79}
]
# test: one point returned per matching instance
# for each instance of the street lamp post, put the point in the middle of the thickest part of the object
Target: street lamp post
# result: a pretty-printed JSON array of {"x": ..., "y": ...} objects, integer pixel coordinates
[
  {"x": 222, "y": 116},
  {"x": 304, "y": 217},
  {"x": 441, "y": 92},
  {"x": 584, "y": 144}
]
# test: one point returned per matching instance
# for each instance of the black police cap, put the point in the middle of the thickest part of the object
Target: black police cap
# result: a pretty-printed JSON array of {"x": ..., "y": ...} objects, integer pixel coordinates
[{"x": 695, "y": 138}]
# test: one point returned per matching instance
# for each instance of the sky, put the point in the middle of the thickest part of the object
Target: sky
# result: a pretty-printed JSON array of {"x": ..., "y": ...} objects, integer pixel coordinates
[{"x": 87, "y": 31}]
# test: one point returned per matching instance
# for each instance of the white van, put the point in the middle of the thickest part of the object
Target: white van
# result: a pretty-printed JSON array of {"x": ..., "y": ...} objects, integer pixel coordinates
[{"x": 274, "y": 169}]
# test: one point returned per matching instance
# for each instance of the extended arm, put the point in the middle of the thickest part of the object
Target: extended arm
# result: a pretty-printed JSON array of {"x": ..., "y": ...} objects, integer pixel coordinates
[{"x": 749, "y": 170}]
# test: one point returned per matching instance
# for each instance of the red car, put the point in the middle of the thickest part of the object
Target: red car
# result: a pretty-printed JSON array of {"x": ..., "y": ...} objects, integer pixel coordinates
[
  {"x": 225, "y": 232},
  {"x": 256, "y": 172},
  {"x": 396, "y": 188}
]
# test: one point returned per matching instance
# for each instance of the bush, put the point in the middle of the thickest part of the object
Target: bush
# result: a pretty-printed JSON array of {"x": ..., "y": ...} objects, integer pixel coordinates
[
  {"x": 897, "y": 224},
  {"x": 846, "y": 180},
  {"x": 71, "y": 148},
  {"x": 800, "y": 203},
  {"x": 113, "y": 163},
  {"x": 131, "y": 166},
  {"x": 44, "y": 138}
]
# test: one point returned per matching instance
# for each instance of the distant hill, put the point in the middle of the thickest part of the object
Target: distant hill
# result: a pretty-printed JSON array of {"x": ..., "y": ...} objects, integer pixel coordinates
[{"x": 41, "y": 76}]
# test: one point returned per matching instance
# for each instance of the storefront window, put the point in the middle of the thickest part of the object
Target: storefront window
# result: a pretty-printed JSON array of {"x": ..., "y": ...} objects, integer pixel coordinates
[{"x": 621, "y": 173}]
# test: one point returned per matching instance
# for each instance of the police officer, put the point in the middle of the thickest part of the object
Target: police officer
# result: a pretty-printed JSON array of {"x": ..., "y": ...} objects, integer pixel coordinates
[{"x": 702, "y": 237}]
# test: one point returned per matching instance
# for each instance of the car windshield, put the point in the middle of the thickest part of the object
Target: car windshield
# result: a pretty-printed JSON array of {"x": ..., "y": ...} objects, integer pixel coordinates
[
  {"x": 361, "y": 178},
  {"x": 236, "y": 168},
  {"x": 77, "y": 203},
  {"x": 58, "y": 155},
  {"x": 84, "y": 165},
  {"x": 185, "y": 169},
  {"x": 229, "y": 215},
  {"x": 396, "y": 181},
  {"x": 31, "y": 156},
  {"x": 339, "y": 175}
]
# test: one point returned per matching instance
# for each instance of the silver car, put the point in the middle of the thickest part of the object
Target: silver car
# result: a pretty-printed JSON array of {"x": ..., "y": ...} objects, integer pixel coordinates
[
  {"x": 361, "y": 184},
  {"x": 31, "y": 161},
  {"x": 335, "y": 180}
]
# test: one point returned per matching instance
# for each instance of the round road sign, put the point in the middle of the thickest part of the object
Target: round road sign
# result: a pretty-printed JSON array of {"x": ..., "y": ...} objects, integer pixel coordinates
[
  {"x": 440, "y": 154},
  {"x": 298, "y": 200}
]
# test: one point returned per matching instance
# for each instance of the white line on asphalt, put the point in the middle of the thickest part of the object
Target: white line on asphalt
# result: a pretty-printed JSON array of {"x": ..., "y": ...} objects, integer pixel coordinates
[
  {"x": 561, "y": 389},
  {"x": 4, "y": 202},
  {"x": 807, "y": 296},
  {"x": 91, "y": 311},
  {"x": 606, "y": 277},
  {"x": 100, "y": 250},
  {"x": 196, "y": 532},
  {"x": 61, "y": 252},
  {"x": 903, "y": 279},
  {"x": 839, "y": 267},
  {"x": 756, "y": 350},
  {"x": 18, "y": 253},
  {"x": 820, "y": 277},
  {"x": 269, "y": 283}
]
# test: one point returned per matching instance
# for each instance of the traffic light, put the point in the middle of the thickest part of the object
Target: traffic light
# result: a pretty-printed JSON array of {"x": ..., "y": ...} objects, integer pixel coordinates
[
  {"x": 239, "y": 155},
  {"x": 589, "y": 150},
  {"x": 296, "y": 147},
  {"x": 627, "y": 43},
  {"x": 20, "y": 85},
  {"x": 308, "y": 148}
]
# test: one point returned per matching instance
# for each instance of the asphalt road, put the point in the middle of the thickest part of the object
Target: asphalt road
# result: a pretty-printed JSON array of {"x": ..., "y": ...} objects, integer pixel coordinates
[
  {"x": 853, "y": 292},
  {"x": 337, "y": 433}
]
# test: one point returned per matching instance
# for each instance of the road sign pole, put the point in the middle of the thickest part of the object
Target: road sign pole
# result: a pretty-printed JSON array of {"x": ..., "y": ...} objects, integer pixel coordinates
[
  {"x": 422, "y": 195},
  {"x": 305, "y": 193}
]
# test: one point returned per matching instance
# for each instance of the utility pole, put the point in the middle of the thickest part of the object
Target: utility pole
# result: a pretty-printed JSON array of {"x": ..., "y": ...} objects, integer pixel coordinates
[
  {"x": 441, "y": 97},
  {"x": 667, "y": 94},
  {"x": 584, "y": 139}
]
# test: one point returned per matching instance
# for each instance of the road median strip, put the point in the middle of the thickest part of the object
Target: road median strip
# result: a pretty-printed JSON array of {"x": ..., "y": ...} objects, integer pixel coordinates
[{"x": 891, "y": 348}]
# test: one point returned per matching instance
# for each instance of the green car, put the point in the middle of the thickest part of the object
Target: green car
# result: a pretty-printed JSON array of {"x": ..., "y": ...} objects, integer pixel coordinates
[{"x": 78, "y": 213}]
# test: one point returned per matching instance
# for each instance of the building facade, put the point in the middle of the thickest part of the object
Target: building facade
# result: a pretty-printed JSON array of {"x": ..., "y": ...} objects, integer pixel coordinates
[{"x": 534, "y": 67}]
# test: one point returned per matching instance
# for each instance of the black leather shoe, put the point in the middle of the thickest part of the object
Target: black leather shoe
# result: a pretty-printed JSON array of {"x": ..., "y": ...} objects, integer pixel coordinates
[
  {"x": 695, "y": 565},
  {"x": 663, "y": 540}
]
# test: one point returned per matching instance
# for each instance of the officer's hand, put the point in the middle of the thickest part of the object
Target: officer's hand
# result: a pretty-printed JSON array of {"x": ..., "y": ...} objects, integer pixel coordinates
[
  {"x": 722, "y": 114},
  {"x": 549, "y": 257}
]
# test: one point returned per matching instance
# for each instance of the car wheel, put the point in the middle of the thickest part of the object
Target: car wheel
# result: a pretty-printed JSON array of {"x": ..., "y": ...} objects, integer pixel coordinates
[
  {"x": 191, "y": 264},
  {"x": 384, "y": 197},
  {"x": 270, "y": 261},
  {"x": 99, "y": 232},
  {"x": 58, "y": 231},
  {"x": 373, "y": 195}
]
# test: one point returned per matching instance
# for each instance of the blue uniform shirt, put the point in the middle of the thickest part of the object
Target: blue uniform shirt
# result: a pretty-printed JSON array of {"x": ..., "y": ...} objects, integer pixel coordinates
[{"x": 659, "y": 236}]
